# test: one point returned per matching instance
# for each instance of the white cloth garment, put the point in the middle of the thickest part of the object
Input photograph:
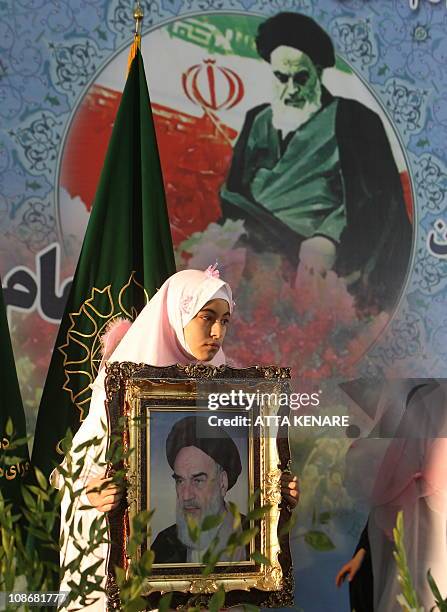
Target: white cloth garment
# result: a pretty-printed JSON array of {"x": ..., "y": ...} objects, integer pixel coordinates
[
  {"x": 404, "y": 468},
  {"x": 156, "y": 338}
]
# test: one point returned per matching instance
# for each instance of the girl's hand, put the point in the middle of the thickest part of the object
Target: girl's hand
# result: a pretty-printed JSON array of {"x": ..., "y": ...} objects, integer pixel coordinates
[
  {"x": 351, "y": 568},
  {"x": 103, "y": 494},
  {"x": 289, "y": 489}
]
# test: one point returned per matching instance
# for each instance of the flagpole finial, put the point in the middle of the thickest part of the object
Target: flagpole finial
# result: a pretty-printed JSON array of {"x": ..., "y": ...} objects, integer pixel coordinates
[{"x": 138, "y": 14}]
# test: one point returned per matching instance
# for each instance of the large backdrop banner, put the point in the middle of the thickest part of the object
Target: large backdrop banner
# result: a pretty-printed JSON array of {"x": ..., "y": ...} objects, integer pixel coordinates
[{"x": 318, "y": 183}]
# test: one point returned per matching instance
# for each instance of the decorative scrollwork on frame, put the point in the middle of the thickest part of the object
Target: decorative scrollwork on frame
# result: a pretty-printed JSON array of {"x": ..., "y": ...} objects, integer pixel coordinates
[
  {"x": 113, "y": 593},
  {"x": 203, "y": 585},
  {"x": 271, "y": 579},
  {"x": 284, "y": 597},
  {"x": 273, "y": 489},
  {"x": 271, "y": 372},
  {"x": 117, "y": 373},
  {"x": 200, "y": 370},
  {"x": 75, "y": 64}
]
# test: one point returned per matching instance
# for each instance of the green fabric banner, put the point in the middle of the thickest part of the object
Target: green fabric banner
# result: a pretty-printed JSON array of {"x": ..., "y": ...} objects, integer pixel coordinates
[
  {"x": 126, "y": 255},
  {"x": 14, "y": 458}
]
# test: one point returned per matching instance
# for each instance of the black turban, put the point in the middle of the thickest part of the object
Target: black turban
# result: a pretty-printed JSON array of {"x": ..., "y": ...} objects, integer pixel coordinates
[
  {"x": 221, "y": 448},
  {"x": 297, "y": 31}
]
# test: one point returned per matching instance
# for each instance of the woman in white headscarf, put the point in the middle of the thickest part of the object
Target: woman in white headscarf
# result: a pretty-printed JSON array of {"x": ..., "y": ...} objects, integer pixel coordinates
[
  {"x": 403, "y": 467},
  {"x": 185, "y": 322}
]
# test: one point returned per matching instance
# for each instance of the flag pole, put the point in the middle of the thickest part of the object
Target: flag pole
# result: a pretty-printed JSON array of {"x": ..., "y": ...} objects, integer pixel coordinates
[{"x": 138, "y": 15}]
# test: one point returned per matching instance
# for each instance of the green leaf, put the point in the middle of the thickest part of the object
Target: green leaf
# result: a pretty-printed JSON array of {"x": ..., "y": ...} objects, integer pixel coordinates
[
  {"x": 254, "y": 498},
  {"x": 258, "y": 513},
  {"x": 287, "y": 527},
  {"x": 165, "y": 603},
  {"x": 193, "y": 528},
  {"x": 135, "y": 605},
  {"x": 147, "y": 560},
  {"x": 318, "y": 540},
  {"x": 217, "y": 600},
  {"x": 259, "y": 558},
  {"x": 325, "y": 517},
  {"x": 434, "y": 587},
  {"x": 43, "y": 483},
  {"x": 212, "y": 521},
  {"x": 236, "y": 515},
  {"x": 28, "y": 499},
  {"x": 9, "y": 429},
  {"x": 250, "y": 608},
  {"x": 244, "y": 537}
]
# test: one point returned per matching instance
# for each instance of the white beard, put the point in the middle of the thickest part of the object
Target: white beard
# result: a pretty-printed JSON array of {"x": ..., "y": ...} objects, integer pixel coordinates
[
  {"x": 215, "y": 506},
  {"x": 289, "y": 118}
]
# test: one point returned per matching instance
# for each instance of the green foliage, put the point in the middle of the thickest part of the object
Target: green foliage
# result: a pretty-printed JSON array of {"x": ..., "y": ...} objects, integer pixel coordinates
[
  {"x": 23, "y": 567},
  {"x": 441, "y": 604},
  {"x": 319, "y": 540},
  {"x": 212, "y": 521},
  {"x": 408, "y": 599},
  {"x": 217, "y": 600}
]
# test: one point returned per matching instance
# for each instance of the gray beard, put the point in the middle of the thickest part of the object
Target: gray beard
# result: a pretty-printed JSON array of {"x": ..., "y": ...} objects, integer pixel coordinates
[
  {"x": 216, "y": 506},
  {"x": 289, "y": 118}
]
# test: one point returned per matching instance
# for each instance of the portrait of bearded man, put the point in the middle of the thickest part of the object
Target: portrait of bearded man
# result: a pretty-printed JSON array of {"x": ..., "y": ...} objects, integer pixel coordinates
[
  {"x": 313, "y": 175},
  {"x": 204, "y": 469}
]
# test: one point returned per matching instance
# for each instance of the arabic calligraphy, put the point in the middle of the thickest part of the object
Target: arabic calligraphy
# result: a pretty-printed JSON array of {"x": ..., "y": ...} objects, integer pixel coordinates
[
  {"x": 26, "y": 290},
  {"x": 437, "y": 240},
  {"x": 14, "y": 471}
]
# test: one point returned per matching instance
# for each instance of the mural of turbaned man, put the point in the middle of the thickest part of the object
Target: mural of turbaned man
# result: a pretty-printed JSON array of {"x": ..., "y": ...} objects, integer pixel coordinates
[
  {"x": 279, "y": 162},
  {"x": 313, "y": 175},
  {"x": 194, "y": 471}
]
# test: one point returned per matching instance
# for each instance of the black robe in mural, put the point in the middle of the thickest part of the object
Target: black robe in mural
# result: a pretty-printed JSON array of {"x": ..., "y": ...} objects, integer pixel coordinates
[{"x": 377, "y": 236}]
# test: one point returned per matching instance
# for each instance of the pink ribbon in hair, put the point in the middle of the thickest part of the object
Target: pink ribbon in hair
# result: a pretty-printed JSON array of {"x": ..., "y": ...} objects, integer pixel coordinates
[{"x": 212, "y": 271}]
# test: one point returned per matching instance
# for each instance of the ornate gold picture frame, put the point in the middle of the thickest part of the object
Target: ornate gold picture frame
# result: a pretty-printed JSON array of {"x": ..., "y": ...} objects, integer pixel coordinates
[{"x": 143, "y": 404}]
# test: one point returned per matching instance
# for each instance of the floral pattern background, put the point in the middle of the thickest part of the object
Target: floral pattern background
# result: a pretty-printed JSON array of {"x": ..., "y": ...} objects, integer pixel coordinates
[{"x": 50, "y": 52}]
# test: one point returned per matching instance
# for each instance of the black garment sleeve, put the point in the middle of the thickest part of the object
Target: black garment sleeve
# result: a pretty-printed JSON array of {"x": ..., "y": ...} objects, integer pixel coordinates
[
  {"x": 361, "y": 588},
  {"x": 378, "y": 236}
]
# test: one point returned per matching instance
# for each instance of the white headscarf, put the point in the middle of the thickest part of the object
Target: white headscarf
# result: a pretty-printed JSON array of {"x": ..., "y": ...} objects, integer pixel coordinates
[{"x": 156, "y": 337}]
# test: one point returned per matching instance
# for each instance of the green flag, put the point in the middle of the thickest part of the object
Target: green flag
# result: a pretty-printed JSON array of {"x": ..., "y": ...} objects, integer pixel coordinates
[
  {"x": 14, "y": 459},
  {"x": 126, "y": 255}
]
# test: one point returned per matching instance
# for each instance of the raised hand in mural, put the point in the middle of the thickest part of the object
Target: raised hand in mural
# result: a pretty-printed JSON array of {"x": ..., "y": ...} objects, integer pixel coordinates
[{"x": 317, "y": 255}]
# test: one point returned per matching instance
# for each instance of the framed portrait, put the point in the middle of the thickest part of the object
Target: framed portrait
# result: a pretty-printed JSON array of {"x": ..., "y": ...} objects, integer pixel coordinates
[{"x": 204, "y": 450}]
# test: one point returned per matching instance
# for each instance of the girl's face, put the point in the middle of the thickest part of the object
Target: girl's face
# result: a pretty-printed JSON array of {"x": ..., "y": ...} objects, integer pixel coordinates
[{"x": 205, "y": 333}]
